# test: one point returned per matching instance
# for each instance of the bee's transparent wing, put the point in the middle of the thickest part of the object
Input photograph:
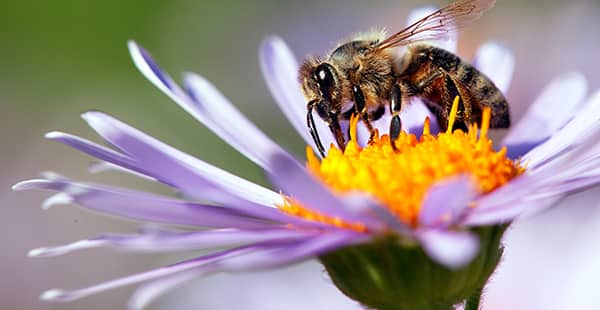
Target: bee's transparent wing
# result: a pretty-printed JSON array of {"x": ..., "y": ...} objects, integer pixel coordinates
[{"x": 439, "y": 24}]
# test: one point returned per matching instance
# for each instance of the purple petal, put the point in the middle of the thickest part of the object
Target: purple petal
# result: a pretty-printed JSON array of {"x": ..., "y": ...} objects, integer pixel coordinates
[
  {"x": 497, "y": 62},
  {"x": 148, "y": 67},
  {"x": 210, "y": 107},
  {"x": 296, "y": 182},
  {"x": 413, "y": 118},
  {"x": 280, "y": 70},
  {"x": 64, "y": 249},
  {"x": 65, "y": 296},
  {"x": 236, "y": 129},
  {"x": 579, "y": 130},
  {"x": 507, "y": 212},
  {"x": 553, "y": 108},
  {"x": 241, "y": 258},
  {"x": 360, "y": 200},
  {"x": 541, "y": 186},
  {"x": 148, "y": 292},
  {"x": 294, "y": 252},
  {"x": 449, "y": 44},
  {"x": 508, "y": 194},
  {"x": 148, "y": 207},
  {"x": 446, "y": 201},
  {"x": 103, "y": 166},
  {"x": 92, "y": 149},
  {"x": 265, "y": 259},
  {"x": 163, "y": 162},
  {"x": 179, "y": 241},
  {"x": 453, "y": 249}
]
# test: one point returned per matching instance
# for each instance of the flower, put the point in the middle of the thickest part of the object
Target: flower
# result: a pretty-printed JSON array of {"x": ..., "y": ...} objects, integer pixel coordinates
[{"x": 449, "y": 226}]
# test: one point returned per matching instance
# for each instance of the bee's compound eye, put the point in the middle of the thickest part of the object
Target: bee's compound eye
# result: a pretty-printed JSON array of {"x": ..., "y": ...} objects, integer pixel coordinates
[{"x": 324, "y": 76}]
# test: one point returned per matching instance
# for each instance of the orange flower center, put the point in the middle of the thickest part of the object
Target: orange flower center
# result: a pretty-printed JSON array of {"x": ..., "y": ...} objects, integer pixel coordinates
[{"x": 400, "y": 178}]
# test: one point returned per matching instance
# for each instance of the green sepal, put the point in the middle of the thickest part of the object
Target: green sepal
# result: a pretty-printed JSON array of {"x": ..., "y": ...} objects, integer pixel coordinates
[{"x": 390, "y": 274}]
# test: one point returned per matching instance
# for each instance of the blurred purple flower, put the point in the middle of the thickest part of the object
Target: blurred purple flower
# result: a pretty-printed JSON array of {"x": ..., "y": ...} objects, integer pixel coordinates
[{"x": 557, "y": 138}]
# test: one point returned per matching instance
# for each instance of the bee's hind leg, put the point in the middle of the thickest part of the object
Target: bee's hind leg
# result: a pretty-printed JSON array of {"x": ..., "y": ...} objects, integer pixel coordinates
[
  {"x": 395, "y": 109},
  {"x": 464, "y": 107}
]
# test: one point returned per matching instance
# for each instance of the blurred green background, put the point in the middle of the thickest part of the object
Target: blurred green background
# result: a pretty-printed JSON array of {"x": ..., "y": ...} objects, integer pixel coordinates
[{"x": 61, "y": 58}]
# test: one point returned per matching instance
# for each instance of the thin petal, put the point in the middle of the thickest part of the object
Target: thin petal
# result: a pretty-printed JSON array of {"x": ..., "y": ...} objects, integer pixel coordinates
[
  {"x": 497, "y": 62},
  {"x": 417, "y": 14},
  {"x": 148, "y": 292},
  {"x": 190, "y": 174},
  {"x": 236, "y": 129},
  {"x": 296, "y": 182},
  {"x": 64, "y": 249},
  {"x": 148, "y": 67},
  {"x": 148, "y": 207},
  {"x": 92, "y": 149},
  {"x": 446, "y": 201},
  {"x": 552, "y": 110},
  {"x": 542, "y": 182},
  {"x": 578, "y": 130},
  {"x": 453, "y": 249},
  {"x": 204, "y": 106},
  {"x": 103, "y": 166},
  {"x": 280, "y": 70},
  {"x": 178, "y": 241},
  {"x": 241, "y": 258},
  {"x": 508, "y": 212},
  {"x": 65, "y": 296},
  {"x": 294, "y": 252}
]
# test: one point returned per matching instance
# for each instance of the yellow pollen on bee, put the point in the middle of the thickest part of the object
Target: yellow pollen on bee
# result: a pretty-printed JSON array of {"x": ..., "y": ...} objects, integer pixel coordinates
[{"x": 400, "y": 178}]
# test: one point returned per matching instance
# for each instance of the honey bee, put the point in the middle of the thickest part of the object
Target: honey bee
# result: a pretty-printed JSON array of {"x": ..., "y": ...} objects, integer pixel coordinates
[{"x": 363, "y": 76}]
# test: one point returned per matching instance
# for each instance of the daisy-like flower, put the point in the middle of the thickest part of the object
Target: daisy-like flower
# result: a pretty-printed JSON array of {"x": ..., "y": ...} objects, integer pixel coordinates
[{"x": 419, "y": 227}]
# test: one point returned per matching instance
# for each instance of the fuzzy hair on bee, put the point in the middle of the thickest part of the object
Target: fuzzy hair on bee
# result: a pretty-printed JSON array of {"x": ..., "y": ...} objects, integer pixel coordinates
[{"x": 363, "y": 75}]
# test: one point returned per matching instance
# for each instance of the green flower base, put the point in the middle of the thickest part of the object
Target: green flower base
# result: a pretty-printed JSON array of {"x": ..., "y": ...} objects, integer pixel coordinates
[{"x": 388, "y": 274}]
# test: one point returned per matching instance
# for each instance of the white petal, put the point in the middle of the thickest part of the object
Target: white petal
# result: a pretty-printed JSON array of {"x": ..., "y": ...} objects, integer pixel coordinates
[
  {"x": 210, "y": 107},
  {"x": 453, "y": 249},
  {"x": 280, "y": 70},
  {"x": 497, "y": 62},
  {"x": 575, "y": 132},
  {"x": 446, "y": 200},
  {"x": 231, "y": 125},
  {"x": 167, "y": 163},
  {"x": 149, "y": 292},
  {"x": 555, "y": 106},
  {"x": 64, "y": 249}
]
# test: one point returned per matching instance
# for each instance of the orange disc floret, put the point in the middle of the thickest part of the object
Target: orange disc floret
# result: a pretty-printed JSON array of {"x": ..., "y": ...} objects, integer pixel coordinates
[{"x": 401, "y": 177}]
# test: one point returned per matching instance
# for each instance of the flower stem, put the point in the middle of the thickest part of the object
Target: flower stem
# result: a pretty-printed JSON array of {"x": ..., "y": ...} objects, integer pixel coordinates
[{"x": 473, "y": 301}]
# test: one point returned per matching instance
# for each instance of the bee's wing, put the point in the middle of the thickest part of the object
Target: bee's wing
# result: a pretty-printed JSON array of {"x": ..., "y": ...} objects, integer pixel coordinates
[{"x": 439, "y": 24}]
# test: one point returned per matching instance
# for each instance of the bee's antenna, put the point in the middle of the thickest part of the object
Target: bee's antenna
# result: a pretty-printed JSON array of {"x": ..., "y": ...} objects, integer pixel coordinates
[{"x": 310, "y": 121}]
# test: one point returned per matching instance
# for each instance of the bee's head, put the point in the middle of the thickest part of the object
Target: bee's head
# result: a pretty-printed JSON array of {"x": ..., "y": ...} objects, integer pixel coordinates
[
  {"x": 321, "y": 87},
  {"x": 320, "y": 83}
]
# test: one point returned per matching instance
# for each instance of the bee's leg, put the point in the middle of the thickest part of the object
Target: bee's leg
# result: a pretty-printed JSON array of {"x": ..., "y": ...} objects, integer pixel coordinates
[
  {"x": 395, "y": 108},
  {"x": 464, "y": 108},
  {"x": 336, "y": 129},
  {"x": 332, "y": 121},
  {"x": 361, "y": 108},
  {"x": 310, "y": 121},
  {"x": 347, "y": 116}
]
